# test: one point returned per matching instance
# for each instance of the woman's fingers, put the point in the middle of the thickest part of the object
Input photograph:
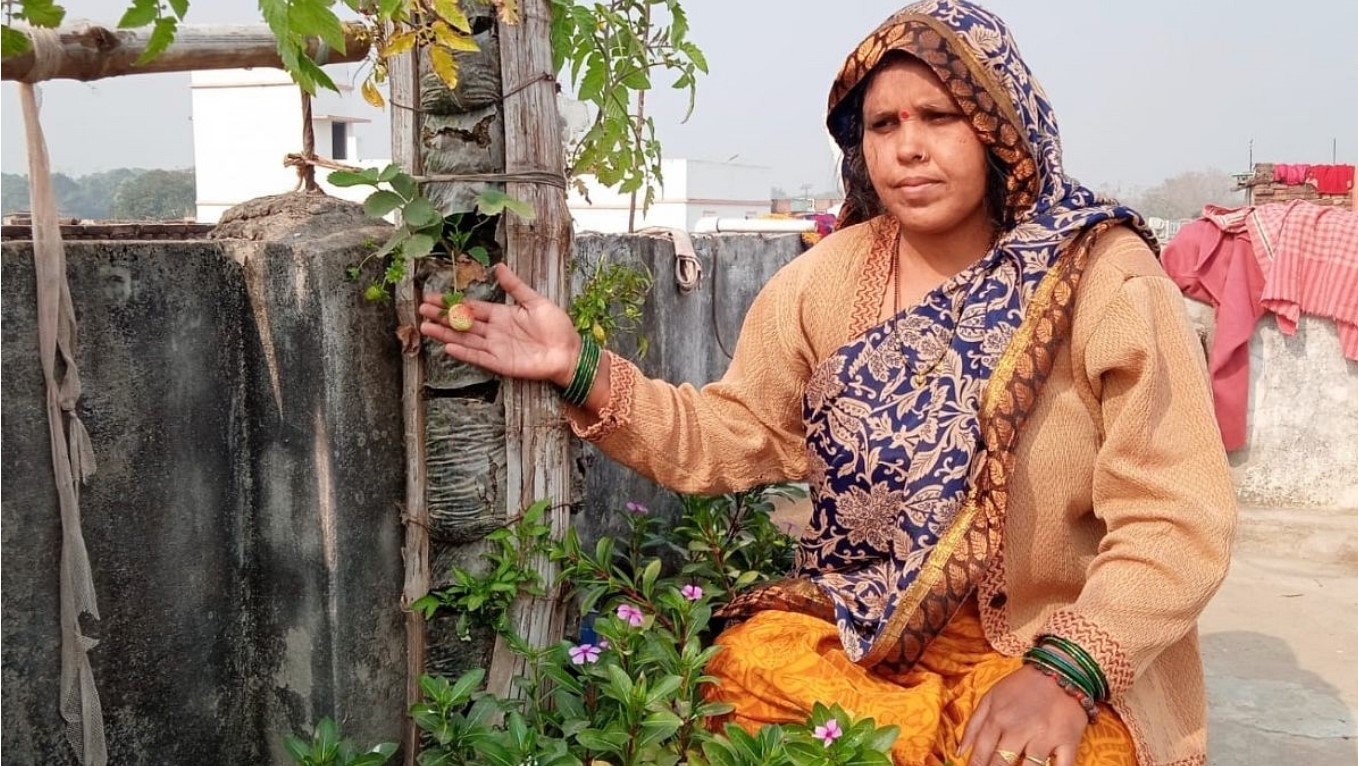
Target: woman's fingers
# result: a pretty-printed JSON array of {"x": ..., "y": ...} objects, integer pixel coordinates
[
  {"x": 968, "y": 744},
  {"x": 513, "y": 286},
  {"x": 1064, "y": 755}
]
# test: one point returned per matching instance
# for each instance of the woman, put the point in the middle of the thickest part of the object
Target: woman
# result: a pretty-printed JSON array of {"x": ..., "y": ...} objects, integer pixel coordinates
[{"x": 1021, "y": 503}]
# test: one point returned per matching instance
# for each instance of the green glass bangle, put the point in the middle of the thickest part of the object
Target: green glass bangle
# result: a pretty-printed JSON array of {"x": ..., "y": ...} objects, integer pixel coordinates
[
  {"x": 1051, "y": 668},
  {"x": 1077, "y": 653},
  {"x": 586, "y": 372},
  {"x": 1056, "y": 663}
]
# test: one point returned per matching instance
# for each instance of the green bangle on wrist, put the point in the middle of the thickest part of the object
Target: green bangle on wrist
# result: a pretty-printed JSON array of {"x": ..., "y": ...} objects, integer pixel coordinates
[{"x": 586, "y": 372}]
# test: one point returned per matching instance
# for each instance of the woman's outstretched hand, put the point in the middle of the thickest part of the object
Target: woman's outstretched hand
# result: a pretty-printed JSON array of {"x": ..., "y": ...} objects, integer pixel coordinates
[{"x": 532, "y": 340}]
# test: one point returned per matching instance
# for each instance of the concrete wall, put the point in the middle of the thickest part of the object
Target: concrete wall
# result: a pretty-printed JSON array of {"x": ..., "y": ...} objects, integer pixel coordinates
[
  {"x": 243, "y": 525},
  {"x": 1303, "y": 417},
  {"x": 684, "y": 330}
]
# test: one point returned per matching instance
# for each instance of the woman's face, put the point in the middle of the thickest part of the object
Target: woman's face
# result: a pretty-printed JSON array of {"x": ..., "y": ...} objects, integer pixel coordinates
[{"x": 925, "y": 161}]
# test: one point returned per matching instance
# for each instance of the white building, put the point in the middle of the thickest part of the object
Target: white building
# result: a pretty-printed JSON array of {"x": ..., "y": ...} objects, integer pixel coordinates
[
  {"x": 694, "y": 189},
  {"x": 245, "y": 121}
]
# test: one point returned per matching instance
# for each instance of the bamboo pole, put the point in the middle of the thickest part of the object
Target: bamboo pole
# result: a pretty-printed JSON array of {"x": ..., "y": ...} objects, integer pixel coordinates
[
  {"x": 538, "y": 447},
  {"x": 92, "y": 52},
  {"x": 405, "y": 152}
]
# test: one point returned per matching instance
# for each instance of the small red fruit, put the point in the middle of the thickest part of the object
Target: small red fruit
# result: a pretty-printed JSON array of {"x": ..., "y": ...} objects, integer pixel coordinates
[{"x": 460, "y": 317}]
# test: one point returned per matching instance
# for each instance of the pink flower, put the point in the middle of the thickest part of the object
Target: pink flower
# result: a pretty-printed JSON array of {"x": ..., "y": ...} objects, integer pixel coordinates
[
  {"x": 829, "y": 732},
  {"x": 603, "y": 643},
  {"x": 584, "y": 654},
  {"x": 637, "y": 509},
  {"x": 691, "y": 592},
  {"x": 631, "y": 615}
]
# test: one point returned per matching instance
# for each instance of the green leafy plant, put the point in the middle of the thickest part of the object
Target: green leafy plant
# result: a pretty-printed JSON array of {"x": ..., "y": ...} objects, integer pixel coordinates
[
  {"x": 632, "y": 688},
  {"x": 326, "y": 748},
  {"x": 611, "y": 301},
  {"x": 612, "y": 50},
  {"x": 485, "y": 599},
  {"x": 422, "y": 230},
  {"x": 830, "y": 738},
  {"x": 732, "y": 541}
]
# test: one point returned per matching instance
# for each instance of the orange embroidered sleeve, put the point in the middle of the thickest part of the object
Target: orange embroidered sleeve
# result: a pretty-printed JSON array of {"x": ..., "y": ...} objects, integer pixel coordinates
[{"x": 741, "y": 431}]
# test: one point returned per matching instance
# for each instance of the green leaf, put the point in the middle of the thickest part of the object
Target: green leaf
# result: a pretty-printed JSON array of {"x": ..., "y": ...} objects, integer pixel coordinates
[
  {"x": 419, "y": 213},
  {"x": 466, "y": 685},
  {"x": 326, "y": 738},
  {"x": 600, "y": 741},
  {"x": 314, "y": 19},
  {"x": 481, "y": 255},
  {"x": 161, "y": 37},
  {"x": 346, "y": 178},
  {"x": 405, "y": 186},
  {"x": 658, "y": 727},
  {"x": 695, "y": 55},
  {"x": 649, "y": 576},
  {"x": 44, "y": 13},
  {"x": 141, "y": 13},
  {"x": 296, "y": 748},
  {"x": 492, "y": 202},
  {"x": 388, "y": 173},
  {"x": 382, "y": 202},
  {"x": 418, "y": 246},
  {"x": 15, "y": 43},
  {"x": 180, "y": 7}
]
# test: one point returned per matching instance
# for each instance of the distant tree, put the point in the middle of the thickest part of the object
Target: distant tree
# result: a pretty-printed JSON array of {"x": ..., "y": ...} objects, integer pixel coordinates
[
  {"x": 14, "y": 193},
  {"x": 93, "y": 198},
  {"x": 156, "y": 195},
  {"x": 778, "y": 192},
  {"x": 1185, "y": 195}
]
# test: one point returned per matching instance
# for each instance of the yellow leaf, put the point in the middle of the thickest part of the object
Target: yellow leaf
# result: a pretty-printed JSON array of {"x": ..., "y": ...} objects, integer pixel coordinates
[
  {"x": 450, "y": 38},
  {"x": 371, "y": 94},
  {"x": 451, "y": 12},
  {"x": 445, "y": 65},
  {"x": 599, "y": 333},
  {"x": 509, "y": 10},
  {"x": 398, "y": 44}
]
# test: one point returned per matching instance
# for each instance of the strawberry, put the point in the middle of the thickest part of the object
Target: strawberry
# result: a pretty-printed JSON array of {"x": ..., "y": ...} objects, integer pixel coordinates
[{"x": 460, "y": 317}]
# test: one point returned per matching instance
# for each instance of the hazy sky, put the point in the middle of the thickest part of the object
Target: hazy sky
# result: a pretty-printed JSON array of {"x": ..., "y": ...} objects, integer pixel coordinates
[{"x": 1143, "y": 89}]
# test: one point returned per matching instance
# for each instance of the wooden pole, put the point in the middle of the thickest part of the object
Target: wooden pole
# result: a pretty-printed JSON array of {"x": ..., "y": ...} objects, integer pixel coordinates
[
  {"x": 538, "y": 447},
  {"x": 405, "y": 153},
  {"x": 91, "y": 52}
]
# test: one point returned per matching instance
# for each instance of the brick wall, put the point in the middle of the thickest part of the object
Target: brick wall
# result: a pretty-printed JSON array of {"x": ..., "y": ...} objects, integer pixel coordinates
[{"x": 1266, "y": 190}]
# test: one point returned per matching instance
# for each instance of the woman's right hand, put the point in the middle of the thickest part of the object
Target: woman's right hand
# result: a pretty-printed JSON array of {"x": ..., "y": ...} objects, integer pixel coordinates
[{"x": 531, "y": 340}]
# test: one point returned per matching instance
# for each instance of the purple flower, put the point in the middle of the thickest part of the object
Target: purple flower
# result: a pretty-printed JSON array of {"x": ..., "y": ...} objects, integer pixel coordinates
[
  {"x": 631, "y": 615},
  {"x": 637, "y": 509},
  {"x": 829, "y": 732},
  {"x": 691, "y": 592},
  {"x": 584, "y": 654}
]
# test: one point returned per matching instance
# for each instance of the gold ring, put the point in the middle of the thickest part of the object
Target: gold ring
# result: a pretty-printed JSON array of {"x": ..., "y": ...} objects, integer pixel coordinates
[
  {"x": 1008, "y": 756},
  {"x": 1031, "y": 759}
]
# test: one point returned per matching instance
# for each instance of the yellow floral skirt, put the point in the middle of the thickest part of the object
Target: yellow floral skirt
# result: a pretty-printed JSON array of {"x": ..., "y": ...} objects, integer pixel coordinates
[{"x": 777, "y": 665}]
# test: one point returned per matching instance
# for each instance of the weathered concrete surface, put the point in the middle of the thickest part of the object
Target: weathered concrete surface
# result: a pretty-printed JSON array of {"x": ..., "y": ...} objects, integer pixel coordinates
[
  {"x": 161, "y": 351},
  {"x": 327, "y": 472},
  {"x": 686, "y": 332},
  {"x": 243, "y": 526},
  {"x": 1278, "y": 641},
  {"x": 1302, "y": 420}
]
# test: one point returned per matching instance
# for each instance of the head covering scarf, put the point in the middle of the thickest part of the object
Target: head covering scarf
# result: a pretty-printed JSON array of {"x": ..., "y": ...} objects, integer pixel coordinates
[{"x": 911, "y": 427}]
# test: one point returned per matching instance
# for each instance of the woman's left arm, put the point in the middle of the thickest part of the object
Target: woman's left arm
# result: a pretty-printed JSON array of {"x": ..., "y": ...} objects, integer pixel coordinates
[
  {"x": 1162, "y": 485},
  {"x": 1163, "y": 488}
]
